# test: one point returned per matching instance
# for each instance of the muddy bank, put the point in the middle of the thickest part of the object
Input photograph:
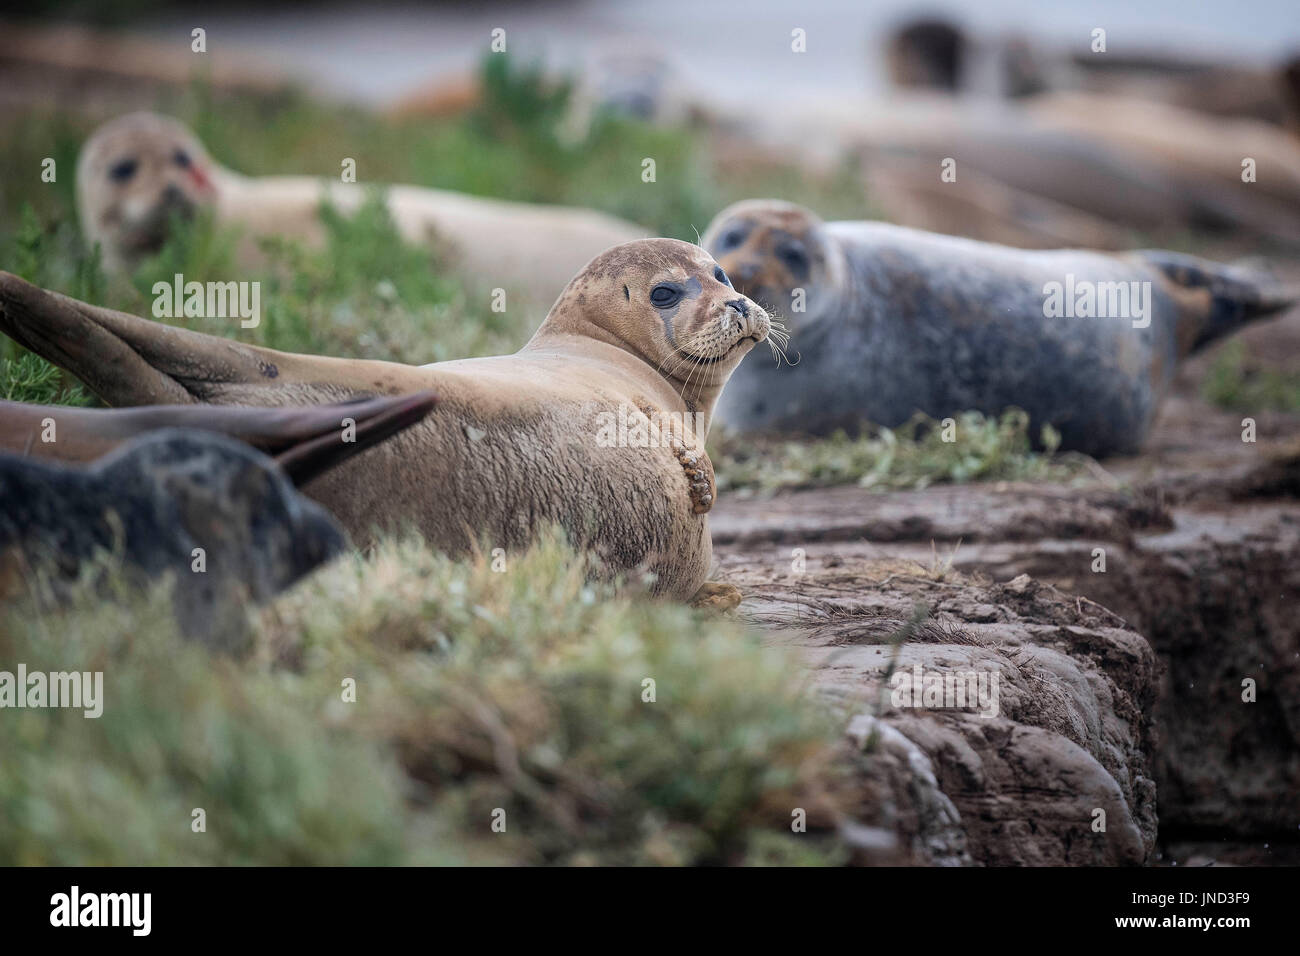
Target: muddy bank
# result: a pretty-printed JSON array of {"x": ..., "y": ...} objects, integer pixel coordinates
[
  {"x": 1054, "y": 767},
  {"x": 1159, "y": 603}
]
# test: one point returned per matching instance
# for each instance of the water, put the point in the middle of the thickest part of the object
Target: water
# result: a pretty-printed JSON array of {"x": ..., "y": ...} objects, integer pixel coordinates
[{"x": 733, "y": 50}]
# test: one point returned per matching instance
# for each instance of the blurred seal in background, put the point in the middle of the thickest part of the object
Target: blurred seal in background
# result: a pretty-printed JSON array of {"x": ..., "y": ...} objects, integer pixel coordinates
[
  {"x": 139, "y": 172},
  {"x": 887, "y": 321}
]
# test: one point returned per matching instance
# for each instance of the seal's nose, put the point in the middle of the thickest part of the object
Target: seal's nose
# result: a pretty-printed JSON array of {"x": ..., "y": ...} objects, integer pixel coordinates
[
  {"x": 174, "y": 197},
  {"x": 741, "y": 306},
  {"x": 751, "y": 320}
]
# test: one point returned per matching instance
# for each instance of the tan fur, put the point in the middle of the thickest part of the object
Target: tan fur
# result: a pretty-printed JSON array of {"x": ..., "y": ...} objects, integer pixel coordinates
[
  {"x": 512, "y": 445},
  {"x": 534, "y": 248}
]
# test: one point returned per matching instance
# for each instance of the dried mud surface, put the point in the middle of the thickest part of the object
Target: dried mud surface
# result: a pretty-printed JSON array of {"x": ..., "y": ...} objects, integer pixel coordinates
[{"x": 1120, "y": 690}]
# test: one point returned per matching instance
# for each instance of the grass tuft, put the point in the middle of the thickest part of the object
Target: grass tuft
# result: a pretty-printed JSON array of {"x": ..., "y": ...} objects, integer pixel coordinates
[
  {"x": 1241, "y": 384},
  {"x": 915, "y": 455},
  {"x": 29, "y": 378},
  {"x": 476, "y": 691}
]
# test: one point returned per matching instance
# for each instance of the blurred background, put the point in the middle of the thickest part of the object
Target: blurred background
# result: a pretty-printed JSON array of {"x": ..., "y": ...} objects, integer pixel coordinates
[
  {"x": 1106, "y": 125},
  {"x": 375, "y": 53}
]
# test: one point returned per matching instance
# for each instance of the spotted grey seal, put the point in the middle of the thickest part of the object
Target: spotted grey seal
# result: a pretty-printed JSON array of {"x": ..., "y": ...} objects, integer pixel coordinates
[
  {"x": 178, "y": 491},
  {"x": 888, "y": 321}
]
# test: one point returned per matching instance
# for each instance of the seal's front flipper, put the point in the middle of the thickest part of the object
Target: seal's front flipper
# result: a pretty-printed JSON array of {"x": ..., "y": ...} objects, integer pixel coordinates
[
  {"x": 127, "y": 360},
  {"x": 717, "y": 596},
  {"x": 1217, "y": 299},
  {"x": 304, "y": 440}
]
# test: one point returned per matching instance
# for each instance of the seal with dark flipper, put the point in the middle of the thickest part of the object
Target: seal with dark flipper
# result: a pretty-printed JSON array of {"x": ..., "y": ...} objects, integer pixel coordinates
[
  {"x": 166, "y": 491},
  {"x": 887, "y": 321},
  {"x": 597, "y": 425}
]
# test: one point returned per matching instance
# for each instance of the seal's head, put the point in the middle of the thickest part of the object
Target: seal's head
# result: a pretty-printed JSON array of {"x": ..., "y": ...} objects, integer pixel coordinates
[
  {"x": 134, "y": 174},
  {"x": 777, "y": 253},
  {"x": 667, "y": 302},
  {"x": 927, "y": 53}
]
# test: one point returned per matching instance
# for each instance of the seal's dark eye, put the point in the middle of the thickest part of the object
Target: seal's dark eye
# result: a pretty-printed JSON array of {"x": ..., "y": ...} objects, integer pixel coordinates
[
  {"x": 181, "y": 159},
  {"x": 123, "y": 170},
  {"x": 731, "y": 238},
  {"x": 665, "y": 296},
  {"x": 721, "y": 276},
  {"x": 794, "y": 258}
]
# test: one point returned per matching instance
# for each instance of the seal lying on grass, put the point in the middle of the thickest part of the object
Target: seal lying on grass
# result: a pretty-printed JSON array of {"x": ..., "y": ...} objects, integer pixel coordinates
[
  {"x": 597, "y": 424},
  {"x": 137, "y": 172}
]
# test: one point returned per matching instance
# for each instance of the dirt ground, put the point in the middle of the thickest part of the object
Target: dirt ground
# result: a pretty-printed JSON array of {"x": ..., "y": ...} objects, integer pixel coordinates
[{"x": 1127, "y": 685}]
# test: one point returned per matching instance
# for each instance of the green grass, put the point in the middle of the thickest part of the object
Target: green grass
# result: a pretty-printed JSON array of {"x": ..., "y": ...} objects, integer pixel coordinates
[
  {"x": 366, "y": 293},
  {"x": 509, "y": 147},
  {"x": 475, "y": 690},
  {"x": 28, "y": 378},
  {"x": 912, "y": 456},
  {"x": 1237, "y": 382}
]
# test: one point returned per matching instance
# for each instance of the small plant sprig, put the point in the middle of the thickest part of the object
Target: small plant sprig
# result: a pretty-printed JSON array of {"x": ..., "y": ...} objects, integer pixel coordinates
[{"x": 29, "y": 378}]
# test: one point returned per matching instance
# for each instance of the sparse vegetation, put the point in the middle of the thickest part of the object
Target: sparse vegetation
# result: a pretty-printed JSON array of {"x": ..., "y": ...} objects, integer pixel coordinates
[
  {"x": 28, "y": 378},
  {"x": 1244, "y": 384},
  {"x": 524, "y": 691},
  {"x": 914, "y": 455}
]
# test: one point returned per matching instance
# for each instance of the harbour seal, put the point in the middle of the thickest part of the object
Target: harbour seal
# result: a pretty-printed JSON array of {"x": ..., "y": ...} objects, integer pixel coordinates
[
  {"x": 981, "y": 207},
  {"x": 1070, "y": 183},
  {"x": 1269, "y": 92},
  {"x": 887, "y": 321},
  {"x": 160, "y": 487},
  {"x": 137, "y": 172},
  {"x": 597, "y": 425},
  {"x": 929, "y": 53},
  {"x": 161, "y": 502}
]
